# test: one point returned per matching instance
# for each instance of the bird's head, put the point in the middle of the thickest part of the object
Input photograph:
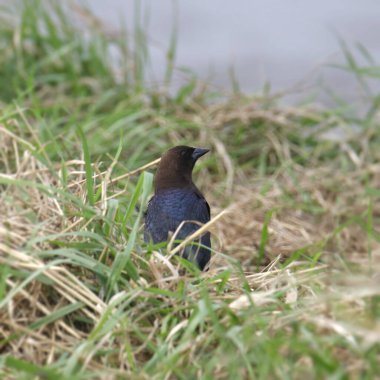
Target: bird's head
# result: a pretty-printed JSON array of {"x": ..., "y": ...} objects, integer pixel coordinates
[{"x": 176, "y": 167}]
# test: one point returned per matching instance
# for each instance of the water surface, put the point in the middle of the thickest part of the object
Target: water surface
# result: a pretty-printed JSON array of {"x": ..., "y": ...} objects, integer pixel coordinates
[{"x": 277, "y": 41}]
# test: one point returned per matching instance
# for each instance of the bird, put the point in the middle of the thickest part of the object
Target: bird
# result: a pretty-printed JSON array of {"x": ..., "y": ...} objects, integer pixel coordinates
[{"x": 176, "y": 199}]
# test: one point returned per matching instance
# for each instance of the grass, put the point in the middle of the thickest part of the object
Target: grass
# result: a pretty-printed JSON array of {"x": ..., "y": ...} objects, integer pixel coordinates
[{"x": 293, "y": 288}]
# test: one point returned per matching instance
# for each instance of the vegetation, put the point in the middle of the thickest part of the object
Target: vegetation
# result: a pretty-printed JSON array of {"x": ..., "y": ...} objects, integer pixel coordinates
[{"x": 293, "y": 288}]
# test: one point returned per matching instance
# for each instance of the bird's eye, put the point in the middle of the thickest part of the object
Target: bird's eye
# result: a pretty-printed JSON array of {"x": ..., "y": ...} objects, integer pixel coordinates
[{"x": 183, "y": 153}]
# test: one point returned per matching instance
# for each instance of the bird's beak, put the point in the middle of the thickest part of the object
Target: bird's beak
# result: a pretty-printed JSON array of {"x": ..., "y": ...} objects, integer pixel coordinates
[{"x": 199, "y": 152}]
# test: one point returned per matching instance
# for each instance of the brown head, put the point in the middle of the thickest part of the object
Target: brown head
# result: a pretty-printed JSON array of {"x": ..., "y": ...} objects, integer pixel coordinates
[{"x": 176, "y": 167}]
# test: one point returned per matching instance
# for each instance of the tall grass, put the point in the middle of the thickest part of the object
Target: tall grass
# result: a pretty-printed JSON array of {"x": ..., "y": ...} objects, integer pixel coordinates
[{"x": 292, "y": 290}]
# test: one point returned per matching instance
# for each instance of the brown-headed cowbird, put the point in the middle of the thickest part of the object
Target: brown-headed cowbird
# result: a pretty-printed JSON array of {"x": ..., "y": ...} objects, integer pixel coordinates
[{"x": 177, "y": 199}]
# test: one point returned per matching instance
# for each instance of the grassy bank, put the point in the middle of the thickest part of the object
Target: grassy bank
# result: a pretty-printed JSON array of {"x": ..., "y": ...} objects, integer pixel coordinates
[{"x": 293, "y": 288}]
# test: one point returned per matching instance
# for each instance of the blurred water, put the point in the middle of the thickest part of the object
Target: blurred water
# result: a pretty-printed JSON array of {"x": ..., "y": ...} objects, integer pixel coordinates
[{"x": 284, "y": 42}]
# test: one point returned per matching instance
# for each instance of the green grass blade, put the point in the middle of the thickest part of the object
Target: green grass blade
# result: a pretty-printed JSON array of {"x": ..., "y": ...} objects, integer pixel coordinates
[{"x": 88, "y": 167}]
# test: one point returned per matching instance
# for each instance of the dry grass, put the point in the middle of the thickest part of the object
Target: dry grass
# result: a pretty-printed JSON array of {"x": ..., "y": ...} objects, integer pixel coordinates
[{"x": 312, "y": 284}]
